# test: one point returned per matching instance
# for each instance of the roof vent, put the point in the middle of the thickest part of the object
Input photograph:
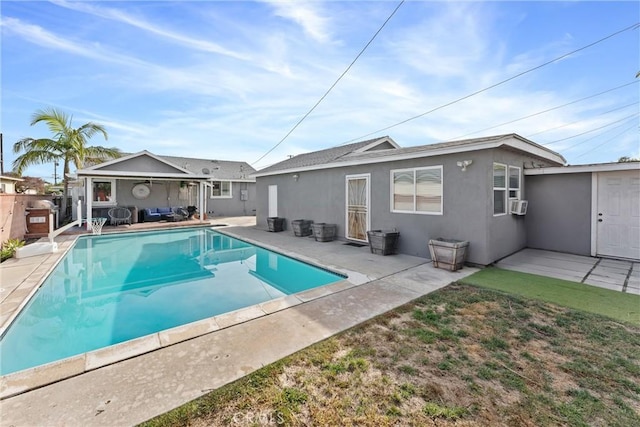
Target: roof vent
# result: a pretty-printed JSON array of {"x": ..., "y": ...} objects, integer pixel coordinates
[{"x": 206, "y": 171}]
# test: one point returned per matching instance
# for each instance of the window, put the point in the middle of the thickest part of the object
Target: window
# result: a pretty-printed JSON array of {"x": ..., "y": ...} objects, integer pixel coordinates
[
  {"x": 104, "y": 192},
  {"x": 417, "y": 190},
  {"x": 499, "y": 189},
  {"x": 514, "y": 183},
  {"x": 221, "y": 189}
]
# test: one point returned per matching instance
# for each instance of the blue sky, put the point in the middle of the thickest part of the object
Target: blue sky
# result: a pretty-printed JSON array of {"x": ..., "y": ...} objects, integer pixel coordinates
[{"x": 228, "y": 80}]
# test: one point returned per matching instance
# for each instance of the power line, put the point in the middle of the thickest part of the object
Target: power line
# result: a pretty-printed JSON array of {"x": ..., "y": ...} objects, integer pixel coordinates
[
  {"x": 597, "y": 136},
  {"x": 592, "y": 130},
  {"x": 581, "y": 120},
  {"x": 494, "y": 85},
  {"x": 608, "y": 140},
  {"x": 333, "y": 85},
  {"x": 544, "y": 111}
]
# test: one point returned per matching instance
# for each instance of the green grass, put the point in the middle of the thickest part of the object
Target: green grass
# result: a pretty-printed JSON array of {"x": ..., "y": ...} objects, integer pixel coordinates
[
  {"x": 571, "y": 368},
  {"x": 578, "y": 296}
]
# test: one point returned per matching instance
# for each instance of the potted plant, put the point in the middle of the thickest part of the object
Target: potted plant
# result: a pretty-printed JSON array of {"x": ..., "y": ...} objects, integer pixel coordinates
[
  {"x": 383, "y": 242},
  {"x": 448, "y": 254},
  {"x": 324, "y": 232},
  {"x": 301, "y": 227},
  {"x": 275, "y": 223}
]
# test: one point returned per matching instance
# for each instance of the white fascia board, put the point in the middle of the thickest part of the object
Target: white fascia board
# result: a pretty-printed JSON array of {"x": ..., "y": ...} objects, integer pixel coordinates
[
  {"x": 376, "y": 143},
  {"x": 388, "y": 158},
  {"x": 133, "y": 156},
  {"x": 536, "y": 151},
  {"x": 10, "y": 178},
  {"x": 604, "y": 167},
  {"x": 145, "y": 175}
]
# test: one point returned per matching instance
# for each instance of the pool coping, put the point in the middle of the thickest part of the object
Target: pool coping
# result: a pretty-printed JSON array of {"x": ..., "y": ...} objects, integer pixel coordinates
[{"x": 29, "y": 379}]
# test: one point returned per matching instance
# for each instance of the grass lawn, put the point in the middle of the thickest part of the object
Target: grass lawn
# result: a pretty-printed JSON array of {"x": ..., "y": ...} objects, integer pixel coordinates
[
  {"x": 463, "y": 355},
  {"x": 617, "y": 305}
]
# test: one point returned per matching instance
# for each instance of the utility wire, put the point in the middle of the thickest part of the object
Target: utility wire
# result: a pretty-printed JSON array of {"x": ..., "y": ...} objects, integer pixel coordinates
[
  {"x": 592, "y": 130},
  {"x": 607, "y": 141},
  {"x": 596, "y": 136},
  {"x": 578, "y": 121},
  {"x": 333, "y": 85},
  {"x": 544, "y": 111},
  {"x": 634, "y": 26}
]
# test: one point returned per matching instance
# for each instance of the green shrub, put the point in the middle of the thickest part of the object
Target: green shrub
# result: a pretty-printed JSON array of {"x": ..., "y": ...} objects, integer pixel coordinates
[{"x": 9, "y": 248}]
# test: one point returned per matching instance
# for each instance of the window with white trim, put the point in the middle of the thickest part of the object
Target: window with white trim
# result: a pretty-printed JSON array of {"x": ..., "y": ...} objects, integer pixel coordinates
[
  {"x": 499, "y": 189},
  {"x": 514, "y": 183},
  {"x": 417, "y": 190},
  {"x": 104, "y": 191},
  {"x": 221, "y": 190}
]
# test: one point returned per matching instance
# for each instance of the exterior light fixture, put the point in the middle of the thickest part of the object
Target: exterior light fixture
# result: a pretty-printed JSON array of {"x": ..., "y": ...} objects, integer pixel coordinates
[{"x": 463, "y": 164}]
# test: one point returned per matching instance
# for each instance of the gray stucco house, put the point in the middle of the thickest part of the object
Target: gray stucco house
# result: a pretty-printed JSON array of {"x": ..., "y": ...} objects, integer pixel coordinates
[
  {"x": 145, "y": 180},
  {"x": 463, "y": 190}
]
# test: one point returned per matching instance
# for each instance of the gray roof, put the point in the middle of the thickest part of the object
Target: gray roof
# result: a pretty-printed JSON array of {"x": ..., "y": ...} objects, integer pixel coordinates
[
  {"x": 349, "y": 153},
  {"x": 321, "y": 157},
  {"x": 218, "y": 169}
]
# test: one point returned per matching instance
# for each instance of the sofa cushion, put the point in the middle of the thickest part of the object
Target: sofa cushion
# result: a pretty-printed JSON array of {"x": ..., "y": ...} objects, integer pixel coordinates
[
  {"x": 164, "y": 211},
  {"x": 151, "y": 211}
]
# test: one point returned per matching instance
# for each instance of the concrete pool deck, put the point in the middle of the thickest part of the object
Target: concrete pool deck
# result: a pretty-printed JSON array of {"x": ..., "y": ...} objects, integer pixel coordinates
[{"x": 141, "y": 387}]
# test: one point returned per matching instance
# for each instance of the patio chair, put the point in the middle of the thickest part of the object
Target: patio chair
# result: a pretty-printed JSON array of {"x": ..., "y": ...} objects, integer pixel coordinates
[{"x": 119, "y": 216}]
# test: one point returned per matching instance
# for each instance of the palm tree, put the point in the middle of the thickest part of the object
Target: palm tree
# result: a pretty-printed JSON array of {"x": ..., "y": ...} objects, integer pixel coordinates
[{"x": 68, "y": 145}]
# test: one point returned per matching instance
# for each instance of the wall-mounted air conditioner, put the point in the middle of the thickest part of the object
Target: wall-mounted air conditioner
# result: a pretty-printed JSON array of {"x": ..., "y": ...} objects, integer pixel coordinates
[{"x": 518, "y": 207}]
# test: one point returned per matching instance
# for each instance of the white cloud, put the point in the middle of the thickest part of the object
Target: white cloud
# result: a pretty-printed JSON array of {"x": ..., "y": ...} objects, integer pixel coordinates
[{"x": 307, "y": 15}]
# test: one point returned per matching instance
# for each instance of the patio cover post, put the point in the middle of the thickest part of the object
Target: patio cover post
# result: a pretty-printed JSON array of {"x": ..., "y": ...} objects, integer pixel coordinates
[
  {"x": 201, "y": 200},
  {"x": 89, "y": 199}
]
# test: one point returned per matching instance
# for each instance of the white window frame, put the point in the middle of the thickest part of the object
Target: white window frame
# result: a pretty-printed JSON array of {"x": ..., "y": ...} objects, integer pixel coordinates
[
  {"x": 414, "y": 170},
  {"x": 505, "y": 189},
  {"x": 221, "y": 181},
  {"x": 114, "y": 198},
  {"x": 518, "y": 190}
]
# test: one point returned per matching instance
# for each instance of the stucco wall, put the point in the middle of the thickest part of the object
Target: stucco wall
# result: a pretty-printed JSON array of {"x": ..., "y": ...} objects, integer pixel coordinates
[
  {"x": 559, "y": 213},
  {"x": 467, "y": 204},
  {"x": 13, "y": 223},
  {"x": 168, "y": 194}
]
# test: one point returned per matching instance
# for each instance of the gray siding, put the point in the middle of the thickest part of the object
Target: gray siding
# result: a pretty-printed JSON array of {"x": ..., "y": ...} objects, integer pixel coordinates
[
  {"x": 234, "y": 206},
  {"x": 141, "y": 164},
  {"x": 467, "y": 204},
  {"x": 559, "y": 213}
]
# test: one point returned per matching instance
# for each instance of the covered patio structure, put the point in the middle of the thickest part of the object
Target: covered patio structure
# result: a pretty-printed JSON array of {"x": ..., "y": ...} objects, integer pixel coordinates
[{"x": 140, "y": 182}]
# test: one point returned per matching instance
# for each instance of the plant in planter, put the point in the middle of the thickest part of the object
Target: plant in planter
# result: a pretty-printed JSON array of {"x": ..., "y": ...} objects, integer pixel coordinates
[
  {"x": 9, "y": 248},
  {"x": 383, "y": 242},
  {"x": 324, "y": 232}
]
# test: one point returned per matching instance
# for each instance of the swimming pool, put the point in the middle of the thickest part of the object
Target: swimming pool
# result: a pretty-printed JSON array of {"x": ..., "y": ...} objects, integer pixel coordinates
[{"x": 113, "y": 288}]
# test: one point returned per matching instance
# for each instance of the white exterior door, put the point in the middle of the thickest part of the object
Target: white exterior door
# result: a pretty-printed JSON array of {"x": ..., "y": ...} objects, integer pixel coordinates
[
  {"x": 618, "y": 214},
  {"x": 357, "y": 207},
  {"x": 273, "y": 200}
]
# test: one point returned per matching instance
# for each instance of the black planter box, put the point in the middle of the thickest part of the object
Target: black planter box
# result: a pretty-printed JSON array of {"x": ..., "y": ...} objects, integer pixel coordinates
[
  {"x": 301, "y": 227},
  {"x": 383, "y": 242},
  {"x": 275, "y": 223},
  {"x": 324, "y": 232}
]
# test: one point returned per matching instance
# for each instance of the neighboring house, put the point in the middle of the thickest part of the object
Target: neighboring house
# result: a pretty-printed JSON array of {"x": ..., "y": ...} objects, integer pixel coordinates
[
  {"x": 8, "y": 184},
  {"x": 455, "y": 190},
  {"x": 585, "y": 209},
  {"x": 145, "y": 180}
]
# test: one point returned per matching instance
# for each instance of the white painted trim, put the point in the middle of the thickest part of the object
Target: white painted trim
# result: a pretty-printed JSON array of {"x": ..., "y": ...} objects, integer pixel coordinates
[
  {"x": 391, "y": 157},
  {"x": 146, "y": 175},
  {"x": 376, "y": 143},
  {"x": 230, "y": 196},
  {"x": 414, "y": 211},
  {"x": 602, "y": 167},
  {"x": 505, "y": 189},
  {"x": 367, "y": 177},
  {"x": 133, "y": 156},
  {"x": 10, "y": 178},
  {"x": 594, "y": 213},
  {"x": 519, "y": 183}
]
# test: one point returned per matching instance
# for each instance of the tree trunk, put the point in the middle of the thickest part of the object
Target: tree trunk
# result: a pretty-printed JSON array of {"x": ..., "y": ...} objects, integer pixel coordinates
[{"x": 65, "y": 191}]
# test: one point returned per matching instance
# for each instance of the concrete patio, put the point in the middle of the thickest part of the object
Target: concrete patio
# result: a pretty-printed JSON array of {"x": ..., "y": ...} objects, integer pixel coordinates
[
  {"x": 617, "y": 275},
  {"x": 192, "y": 362}
]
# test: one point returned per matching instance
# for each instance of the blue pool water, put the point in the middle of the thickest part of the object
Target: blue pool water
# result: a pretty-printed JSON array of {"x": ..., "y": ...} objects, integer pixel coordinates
[{"x": 110, "y": 289}]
